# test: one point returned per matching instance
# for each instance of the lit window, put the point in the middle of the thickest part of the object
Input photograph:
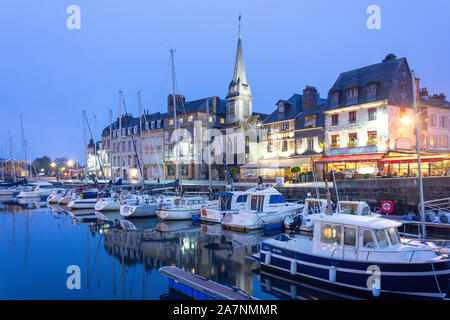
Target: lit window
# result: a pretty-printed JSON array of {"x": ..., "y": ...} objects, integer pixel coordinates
[
  {"x": 331, "y": 234},
  {"x": 334, "y": 141},
  {"x": 210, "y": 119},
  {"x": 352, "y": 140},
  {"x": 284, "y": 147},
  {"x": 171, "y": 122},
  {"x": 310, "y": 122},
  {"x": 222, "y": 120},
  {"x": 371, "y": 138},
  {"x": 191, "y": 118}
]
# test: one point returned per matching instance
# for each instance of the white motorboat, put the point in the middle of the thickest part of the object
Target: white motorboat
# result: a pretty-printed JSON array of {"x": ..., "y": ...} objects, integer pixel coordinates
[
  {"x": 235, "y": 200},
  {"x": 362, "y": 253},
  {"x": 66, "y": 197},
  {"x": 139, "y": 206},
  {"x": 314, "y": 206},
  {"x": 38, "y": 189},
  {"x": 56, "y": 195},
  {"x": 109, "y": 203},
  {"x": 83, "y": 200},
  {"x": 183, "y": 208},
  {"x": 265, "y": 206}
]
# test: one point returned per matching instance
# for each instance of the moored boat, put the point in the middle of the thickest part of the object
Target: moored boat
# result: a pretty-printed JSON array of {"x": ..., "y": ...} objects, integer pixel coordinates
[
  {"x": 360, "y": 253},
  {"x": 227, "y": 201},
  {"x": 264, "y": 206},
  {"x": 183, "y": 208}
]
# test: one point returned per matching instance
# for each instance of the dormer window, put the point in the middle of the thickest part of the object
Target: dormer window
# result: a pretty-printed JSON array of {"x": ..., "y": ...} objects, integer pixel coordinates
[
  {"x": 158, "y": 124},
  {"x": 352, "y": 94},
  {"x": 281, "y": 108},
  {"x": 310, "y": 122},
  {"x": 372, "y": 90},
  {"x": 153, "y": 125},
  {"x": 335, "y": 98}
]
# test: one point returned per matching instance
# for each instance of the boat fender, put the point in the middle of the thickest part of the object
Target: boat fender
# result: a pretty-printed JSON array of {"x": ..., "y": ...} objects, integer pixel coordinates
[
  {"x": 268, "y": 257},
  {"x": 376, "y": 287},
  {"x": 293, "y": 291},
  {"x": 293, "y": 267},
  {"x": 268, "y": 284},
  {"x": 332, "y": 274}
]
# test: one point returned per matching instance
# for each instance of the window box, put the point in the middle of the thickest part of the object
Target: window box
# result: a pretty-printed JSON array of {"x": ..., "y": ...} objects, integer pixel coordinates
[
  {"x": 371, "y": 142},
  {"x": 351, "y": 144}
]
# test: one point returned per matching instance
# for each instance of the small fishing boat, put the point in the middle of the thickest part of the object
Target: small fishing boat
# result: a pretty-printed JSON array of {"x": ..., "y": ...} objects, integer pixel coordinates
[
  {"x": 199, "y": 288},
  {"x": 363, "y": 253},
  {"x": 264, "y": 206},
  {"x": 183, "y": 208},
  {"x": 235, "y": 200}
]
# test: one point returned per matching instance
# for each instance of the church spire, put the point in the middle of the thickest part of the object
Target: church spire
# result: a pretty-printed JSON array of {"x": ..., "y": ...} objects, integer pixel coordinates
[
  {"x": 239, "y": 98},
  {"x": 239, "y": 67}
]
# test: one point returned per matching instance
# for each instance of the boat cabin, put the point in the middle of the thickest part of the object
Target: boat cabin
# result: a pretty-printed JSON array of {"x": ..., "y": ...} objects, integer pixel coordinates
[
  {"x": 264, "y": 198},
  {"x": 358, "y": 208},
  {"x": 314, "y": 205},
  {"x": 354, "y": 237},
  {"x": 181, "y": 202},
  {"x": 236, "y": 200}
]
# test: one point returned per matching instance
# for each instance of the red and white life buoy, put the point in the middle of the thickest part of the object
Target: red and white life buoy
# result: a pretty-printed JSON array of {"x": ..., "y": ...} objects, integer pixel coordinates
[
  {"x": 204, "y": 212},
  {"x": 387, "y": 207},
  {"x": 228, "y": 217}
]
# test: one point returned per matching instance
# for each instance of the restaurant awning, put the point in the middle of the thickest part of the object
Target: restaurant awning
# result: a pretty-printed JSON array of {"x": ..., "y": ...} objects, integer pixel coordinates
[
  {"x": 352, "y": 158},
  {"x": 277, "y": 163},
  {"x": 413, "y": 159}
]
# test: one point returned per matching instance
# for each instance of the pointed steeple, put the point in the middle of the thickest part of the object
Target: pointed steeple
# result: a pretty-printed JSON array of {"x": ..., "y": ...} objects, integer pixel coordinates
[
  {"x": 239, "y": 66},
  {"x": 239, "y": 106}
]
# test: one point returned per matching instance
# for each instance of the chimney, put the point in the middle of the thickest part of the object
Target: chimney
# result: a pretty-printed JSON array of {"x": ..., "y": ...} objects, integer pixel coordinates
[
  {"x": 179, "y": 100},
  {"x": 390, "y": 57},
  {"x": 423, "y": 93},
  {"x": 417, "y": 87},
  {"x": 214, "y": 104},
  {"x": 310, "y": 96}
]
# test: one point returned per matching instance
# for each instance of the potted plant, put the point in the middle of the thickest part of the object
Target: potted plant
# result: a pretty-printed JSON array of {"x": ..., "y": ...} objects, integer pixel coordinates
[
  {"x": 351, "y": 144},
  {"x": 295, "y": 170},
  {"x": 371, "y": 142}
]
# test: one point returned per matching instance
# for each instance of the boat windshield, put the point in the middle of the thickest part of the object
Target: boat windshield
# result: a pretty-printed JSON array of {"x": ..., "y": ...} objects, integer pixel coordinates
[
  {"x": 225, "y": 203},
  {"x": 382, "y": 238},
  {"x": 314, "y": 206},
  {"x": 393, "y": 236},
  {"x": 349, "y": 208}
]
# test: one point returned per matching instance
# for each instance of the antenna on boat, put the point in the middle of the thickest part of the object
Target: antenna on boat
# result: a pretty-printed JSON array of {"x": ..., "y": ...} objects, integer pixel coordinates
[
  {"x": 83, "y": 114},
  {"x": 140, "y": 138},
  {"x": 422, "y": 205},
  {"x": 24, "y": 146},
  {"x": 177, "y": 168},
  {"x": 120, "y": 135},
  {"x": 329, "y": 209}
]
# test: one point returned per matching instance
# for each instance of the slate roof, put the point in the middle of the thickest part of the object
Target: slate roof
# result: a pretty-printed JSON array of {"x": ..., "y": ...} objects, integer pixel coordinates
[
  {"x": 292, "y": 107},
  {"x": 436, "y": 103},
  {"x": 379, "y": 72},
  {"x": 129, "y": 121},
  {"x": 385, "y": 75}
]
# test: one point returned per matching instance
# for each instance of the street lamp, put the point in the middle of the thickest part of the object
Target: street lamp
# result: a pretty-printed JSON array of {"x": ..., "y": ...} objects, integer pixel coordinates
[{"x": 70, "y": 163}]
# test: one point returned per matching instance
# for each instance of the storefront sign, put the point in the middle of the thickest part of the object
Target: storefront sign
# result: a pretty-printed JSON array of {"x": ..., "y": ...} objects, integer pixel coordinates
[
  {"x": 356, "y": 150},
  {"x": 403, "y": 143}
]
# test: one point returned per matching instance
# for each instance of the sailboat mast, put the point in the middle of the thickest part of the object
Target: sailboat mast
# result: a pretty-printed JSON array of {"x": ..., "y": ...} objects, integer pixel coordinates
[
  {"x": 177, "y": 168},
  {"x": 422, "y": 205},
  {"x": 120, "y": 134},
  {"x": 95, "y": 146},
  {"x": 110, "y": 145},
  {"x": 209, "y": 140},
  {"x": 83, "y": 114},
  {"x": 24, "y": 146},
  {"x": 13, "y": 163},
  {"x": 140, "y": 137}
]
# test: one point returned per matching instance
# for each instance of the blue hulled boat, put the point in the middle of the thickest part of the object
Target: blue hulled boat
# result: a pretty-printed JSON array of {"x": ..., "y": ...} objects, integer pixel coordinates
[{"x": 363, "y": 253}]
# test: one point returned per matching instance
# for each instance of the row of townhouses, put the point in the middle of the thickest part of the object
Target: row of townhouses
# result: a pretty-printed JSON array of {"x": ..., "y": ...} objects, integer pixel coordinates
[{"x": 365, "y": 126}]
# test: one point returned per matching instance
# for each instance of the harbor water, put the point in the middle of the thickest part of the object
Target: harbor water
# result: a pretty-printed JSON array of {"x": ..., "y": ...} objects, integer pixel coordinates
[{"x": 42, "y": 245}]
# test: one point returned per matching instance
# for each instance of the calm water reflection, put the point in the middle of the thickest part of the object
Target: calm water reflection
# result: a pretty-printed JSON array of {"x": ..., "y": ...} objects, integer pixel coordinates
[{"x": 119, "y": 259}]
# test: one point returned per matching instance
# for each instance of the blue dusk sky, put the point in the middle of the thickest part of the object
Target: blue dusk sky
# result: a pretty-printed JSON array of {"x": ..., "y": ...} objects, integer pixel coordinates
[{"x": 49, "y": 73}]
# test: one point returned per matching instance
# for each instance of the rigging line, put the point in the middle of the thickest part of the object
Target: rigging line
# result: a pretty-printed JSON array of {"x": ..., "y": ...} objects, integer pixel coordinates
[
  {"x": 134, "y": 144},
  {"x": 73, "y": 136},
  {"x": 98, "y": 159}
]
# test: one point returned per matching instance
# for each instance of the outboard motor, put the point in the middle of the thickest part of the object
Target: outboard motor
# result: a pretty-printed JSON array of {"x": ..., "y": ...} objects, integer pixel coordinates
[{"x": 296, "y": 224}]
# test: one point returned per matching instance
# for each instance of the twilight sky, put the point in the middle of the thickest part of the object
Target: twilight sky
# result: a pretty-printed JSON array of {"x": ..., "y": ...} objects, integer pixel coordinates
[{"x": 50, "y": 73}]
